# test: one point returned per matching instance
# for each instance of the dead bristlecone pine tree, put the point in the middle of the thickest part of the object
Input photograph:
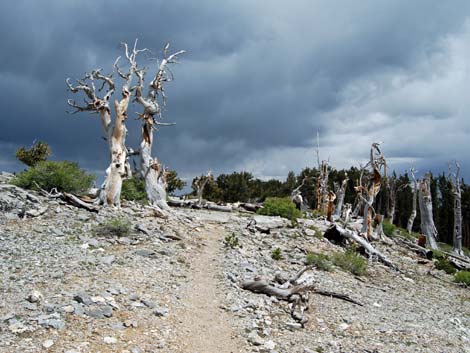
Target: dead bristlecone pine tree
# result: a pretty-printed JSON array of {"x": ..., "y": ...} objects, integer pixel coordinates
[
  {"x": 414, "y": 190},
  {"x": 425, "y": 207},
  {"x": 115, "y": 131},
  {"x": 457, "y": 193}
]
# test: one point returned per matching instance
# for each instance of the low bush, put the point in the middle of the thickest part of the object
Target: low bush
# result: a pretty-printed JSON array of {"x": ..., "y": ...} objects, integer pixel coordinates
[
  {"x": 389, "y": 228},
  {"x": 321, "y": 261},
  {"x": 446, "y": 266},
  {"x": 65, "y": 176},
  {"x": 117, "y": 227},
  {"x": 276, "y": 254},
  {"x": 133, "y": 189},
  {"x": 437, "y": 254},
  {"x": 231, "y": 241},
  {"x": 280, "y": 206},
  {"x": 350, "y": 261},
  {"x": 462, "y": 277}
]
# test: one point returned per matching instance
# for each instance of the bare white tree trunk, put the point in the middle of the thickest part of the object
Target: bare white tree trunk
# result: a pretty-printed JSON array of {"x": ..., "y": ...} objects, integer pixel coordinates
[
  {"x": 153, "y": 172},
  {"x": 425, "y": 207},
  {"x": 377, "y": 163},
  {"x": 115, "y": 134},
  {"x": 340, "y": 194},
  {"x": 347, "y": 212},
  {"x": 392, "y": 196},
  {"x": 331, "y": 205},
  {"x": 322, "y": 187},
  {"x": 296, "y": 195},
  {"x": 457, "y": 192},
  {"x": 200, "y": 183},
  {"x": 414, "y": 187}
]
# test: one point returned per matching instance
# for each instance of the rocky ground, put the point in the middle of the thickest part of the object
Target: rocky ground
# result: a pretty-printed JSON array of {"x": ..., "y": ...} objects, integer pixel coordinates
[{"x": 174, "y": 286}]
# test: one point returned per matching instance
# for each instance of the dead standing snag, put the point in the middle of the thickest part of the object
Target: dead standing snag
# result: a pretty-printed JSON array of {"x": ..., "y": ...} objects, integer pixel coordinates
[{"x": 115, "y": 133}]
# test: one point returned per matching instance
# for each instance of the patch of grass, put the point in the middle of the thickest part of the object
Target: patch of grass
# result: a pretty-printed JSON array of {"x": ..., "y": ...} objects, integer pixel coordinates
[
  {"x": 117, "y": 227},
  {"x": 231, "y": 241},
  {"x": 437, "y": 254},
  {"x": 389, "y": 228},
  {"x": 446, "y": 266},
  {"x": 276, "y": 254},
  {"x": 462, "y": 277},
  {"x": 65, "y": 176},
  {"x": 321, "y": 261},
  {"x": 445, "y": 247},
  {"x": 350, "y": 261},
  {"x": 280, "y": 206}
]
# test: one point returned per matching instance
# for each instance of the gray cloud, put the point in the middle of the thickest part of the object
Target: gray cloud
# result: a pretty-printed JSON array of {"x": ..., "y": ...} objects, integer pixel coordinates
[{"x": 259, "y": 79}]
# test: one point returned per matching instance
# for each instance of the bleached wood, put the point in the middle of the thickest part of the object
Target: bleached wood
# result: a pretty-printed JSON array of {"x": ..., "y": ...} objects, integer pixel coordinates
[
  {"x": 457, "y": 193},
  {"x": 340, "y": 194},
  {"x": 414, "y": 190},
  {"x": 425, "y": 207}
]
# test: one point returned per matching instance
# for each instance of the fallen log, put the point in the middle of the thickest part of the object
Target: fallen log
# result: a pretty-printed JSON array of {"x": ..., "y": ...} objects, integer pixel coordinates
[
  {"x": 293, "y": 292},
  {"x": 75, "y": 201},
  {"x": 460, "y": 262},
  {"x": 250, "y": 207},
  {"x": 349, "y": 234},
  {"x": 423, "y": 252}
]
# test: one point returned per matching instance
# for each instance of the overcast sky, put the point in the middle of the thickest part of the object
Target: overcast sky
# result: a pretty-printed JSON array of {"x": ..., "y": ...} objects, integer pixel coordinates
[{"x": 257, "y": 82}]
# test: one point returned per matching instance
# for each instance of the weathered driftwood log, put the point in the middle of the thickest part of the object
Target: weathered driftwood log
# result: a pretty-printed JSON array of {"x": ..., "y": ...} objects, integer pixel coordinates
[
  {"x": 70, "y": 199},
  {"x": 338, "y": 232},
  {"x": 77, "y": 202}
]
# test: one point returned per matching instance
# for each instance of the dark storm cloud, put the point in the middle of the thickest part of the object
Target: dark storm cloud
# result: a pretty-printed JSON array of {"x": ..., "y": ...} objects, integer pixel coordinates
[{"x": 257, "y": 82}]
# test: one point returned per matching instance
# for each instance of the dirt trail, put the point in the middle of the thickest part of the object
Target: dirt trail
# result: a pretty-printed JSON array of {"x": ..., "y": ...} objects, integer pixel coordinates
[{"x": 203, "y": 327}]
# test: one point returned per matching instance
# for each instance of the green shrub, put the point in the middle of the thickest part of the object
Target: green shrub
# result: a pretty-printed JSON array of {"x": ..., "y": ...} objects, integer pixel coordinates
[
  {"x": 321, "y": 261},
  {"x": 389, "y": 228},
  {"x": 276, "y": 254},
  {"x": 437, "y": 254},
  {"x": 280, "y": 206},
  {"x": 133, "y": 189},
  {"x": 64, "y": 176},
  {"x": 446, "y": 266},
  {"x": 35, "y": 154},
  {"x": 462, "y": 277},
  {"x": 117, "y": 227},
  {"x": 350, "y": 261},
  {"x": 232, "y": 241}
]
